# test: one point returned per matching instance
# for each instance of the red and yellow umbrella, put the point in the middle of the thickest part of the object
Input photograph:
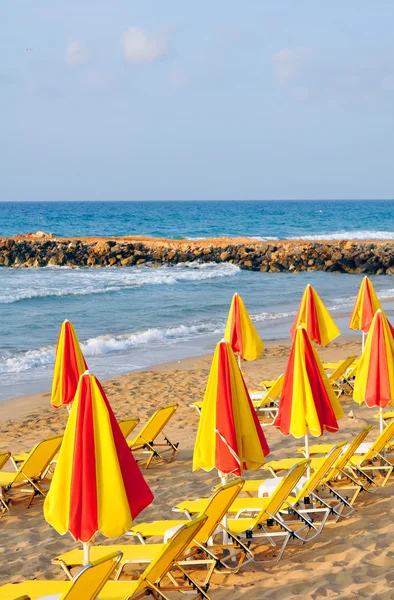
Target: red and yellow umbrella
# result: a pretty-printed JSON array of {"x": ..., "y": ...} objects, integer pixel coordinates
[
  {"x": 240, "y": 332},
  {"x": 365, "y": 306},
  {"x": 308, "y": 403},
  {"x": 374, "y": 383},
  {"x": 69, "y": 365},
  {"x": 315, "y": 318},
  {"x": 97, "y": 485},
  {"x": 229, "y": 437}
]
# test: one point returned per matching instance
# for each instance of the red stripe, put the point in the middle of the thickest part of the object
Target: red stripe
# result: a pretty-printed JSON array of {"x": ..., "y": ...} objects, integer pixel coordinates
[
  {"x": 70, "y": 372},
  {"x": 236, "y": 330},
  {"x": 367, "y": 310},
  {"x": 83, "y": 522},
  {"x": 312, "y": 325},
  {"x": 224, "y": 460},
  {"x": 283, "y": 418},
  {"x": 139, "y": 494},
  {"x": 324, "y": 410},
  {"x": 377, "y": 392}
]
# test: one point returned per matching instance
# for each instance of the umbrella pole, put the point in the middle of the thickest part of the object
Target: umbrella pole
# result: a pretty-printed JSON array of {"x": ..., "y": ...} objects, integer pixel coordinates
[
  {"x": 239, "y": 361},
  {"x": 308, "y": 472},
  {"x": 68, "y": 407},
  {"x": 381, "y": 419},
  {"x": 223, "y": 481},
  {"x": 86, "y": 553},
  {"x": 363, "y": 344}
]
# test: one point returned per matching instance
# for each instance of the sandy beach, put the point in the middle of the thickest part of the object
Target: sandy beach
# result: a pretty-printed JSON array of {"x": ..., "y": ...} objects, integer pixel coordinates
[{"x": 352, "y": 559}]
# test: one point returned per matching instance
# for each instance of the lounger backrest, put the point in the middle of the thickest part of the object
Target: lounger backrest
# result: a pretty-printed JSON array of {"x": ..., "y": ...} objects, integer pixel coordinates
[
  {"x": 342, "y": 368},
  {"x": 127, "y": 426},
  {"x": 283, "y": 491},
  {"x": 320, "y": 474},
  {"x": 347, "y": 454},
  {"x": 276, "y": 389},
  {"x": 172, "y": 551},
  {"x": 4, "y": 457},
  {"x": 38, "y": 458},
  {"x": 92, "y": 578},
  {"x": 380, "y": 442},
  {"x": 217, "y": 508},
  {"x": 155, "y": 425}
]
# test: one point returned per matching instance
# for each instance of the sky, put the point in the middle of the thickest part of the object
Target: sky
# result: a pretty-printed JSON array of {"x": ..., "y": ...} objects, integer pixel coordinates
[{"x": 178, "y": 100}]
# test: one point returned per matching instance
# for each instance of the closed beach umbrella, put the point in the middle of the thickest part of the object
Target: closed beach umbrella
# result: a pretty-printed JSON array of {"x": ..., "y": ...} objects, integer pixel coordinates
[
  {"x": 240, "y": 332},
  {"x": 374, "y": 383},
  {"x": 315, "y": 318},
  {"x": 229, "y": 437},
  {"x": 69, "y": 365},
  {"x": 97, "y": 485},
  {"x": 308, "y": 403},
  {"x": 365, "y": 306}
]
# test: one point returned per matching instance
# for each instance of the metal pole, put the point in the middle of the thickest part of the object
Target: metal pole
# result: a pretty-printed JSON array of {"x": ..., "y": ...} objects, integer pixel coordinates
[
  {"x": 308, "y": 472},
  {"x": 86, "y": 553}
]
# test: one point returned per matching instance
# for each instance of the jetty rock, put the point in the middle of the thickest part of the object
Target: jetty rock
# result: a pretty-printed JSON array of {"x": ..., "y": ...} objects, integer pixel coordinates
[{"x": 44, "y": 249}]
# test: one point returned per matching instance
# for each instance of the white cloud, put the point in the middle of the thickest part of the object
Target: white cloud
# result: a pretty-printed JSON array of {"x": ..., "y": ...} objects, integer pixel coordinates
[
  {"x": 291, "y": 62},
  {"x": 140, "y": 48},
  {"x": 388, "y": 83},
  {"x": 76, "y": 54}
]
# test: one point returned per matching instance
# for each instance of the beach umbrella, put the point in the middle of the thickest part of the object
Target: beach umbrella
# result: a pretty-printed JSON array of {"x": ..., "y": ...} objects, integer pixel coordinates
[
  {"x": 314, "y": 316},
  {"x": 365, "y": 306},
  {"x": 69, "y": 365},
  {"x": 97, "y": 484},
  {"x": 240, "y": 332},
  {"x": 308, "y": 403},
  {"x": 374, "y": 382},
  {"x": 229, "y": 437}
]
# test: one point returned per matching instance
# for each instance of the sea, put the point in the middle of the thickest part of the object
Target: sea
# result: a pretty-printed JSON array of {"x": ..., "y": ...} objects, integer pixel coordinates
[{"x": 129, "y": 319}]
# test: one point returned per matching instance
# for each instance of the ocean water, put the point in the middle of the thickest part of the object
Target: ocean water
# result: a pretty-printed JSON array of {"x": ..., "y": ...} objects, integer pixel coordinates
[
  {"x": 268, "y": 220},
  {"x": 132, "y": 318}
]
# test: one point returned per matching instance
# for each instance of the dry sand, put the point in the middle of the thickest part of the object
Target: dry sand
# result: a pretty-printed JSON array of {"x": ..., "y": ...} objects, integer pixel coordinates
[{"x": 352, "y": 559}]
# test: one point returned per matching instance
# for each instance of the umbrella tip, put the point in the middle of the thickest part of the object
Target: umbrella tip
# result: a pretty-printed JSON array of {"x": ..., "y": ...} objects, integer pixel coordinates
[
  {"x": 66, "y": 321},
  {"x": 379, "y": 310},
  {"x": 87, "y": 372},
  {"x": 222, "y": 340}
]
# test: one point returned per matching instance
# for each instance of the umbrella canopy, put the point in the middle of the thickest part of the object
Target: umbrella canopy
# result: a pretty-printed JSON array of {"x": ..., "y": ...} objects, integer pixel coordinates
[
  {"x": 374, "y": 383},
  {"x": 97, "y": 485},
  {"x": 240, "y": 332},
  {"x": 308, "y": 403},
  {"x": 229, "y": 437},
  {"x": 365, "y": 306},
  {"x": 69, "y": 365},
  {"x": 313, "y": 315}
]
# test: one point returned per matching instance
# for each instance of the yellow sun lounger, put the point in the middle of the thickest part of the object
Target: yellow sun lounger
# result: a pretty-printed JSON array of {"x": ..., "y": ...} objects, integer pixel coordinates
[
  {"x": 268, "y": 384},
  {"x": 4, "y": 458},
  {"x": 32, "y": 471},
  {"x": 270, "y": 522},
  {"x": 145, "y": 441},
  {"x": 203, "y": 550},
  {"x": 371, "y": 458},
  {"x": 87, "y": 584},
  {"x": 309, "y": 492},
  {"x": 150, "y": 583},
  {"x": 339, "y": 477},
  {"x": 337, "y": 375}
]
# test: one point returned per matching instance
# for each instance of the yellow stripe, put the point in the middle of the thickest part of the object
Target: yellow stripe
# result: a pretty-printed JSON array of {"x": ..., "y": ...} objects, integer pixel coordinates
[
  {"x": 114, "y": 516},
  {"x": 56, "y": 396},
  {"x": 57, "y": 502},
  {"x": 205, "y": 445},
  {"x": 249, "y": 447}
]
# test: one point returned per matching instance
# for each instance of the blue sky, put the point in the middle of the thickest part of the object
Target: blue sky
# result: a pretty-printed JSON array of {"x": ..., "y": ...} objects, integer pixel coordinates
[{"x": 145, "y": 100}]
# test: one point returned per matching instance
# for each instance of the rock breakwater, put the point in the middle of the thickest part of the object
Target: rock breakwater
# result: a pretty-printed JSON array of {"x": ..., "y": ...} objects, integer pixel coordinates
[{"x": 40, "y": 250}]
